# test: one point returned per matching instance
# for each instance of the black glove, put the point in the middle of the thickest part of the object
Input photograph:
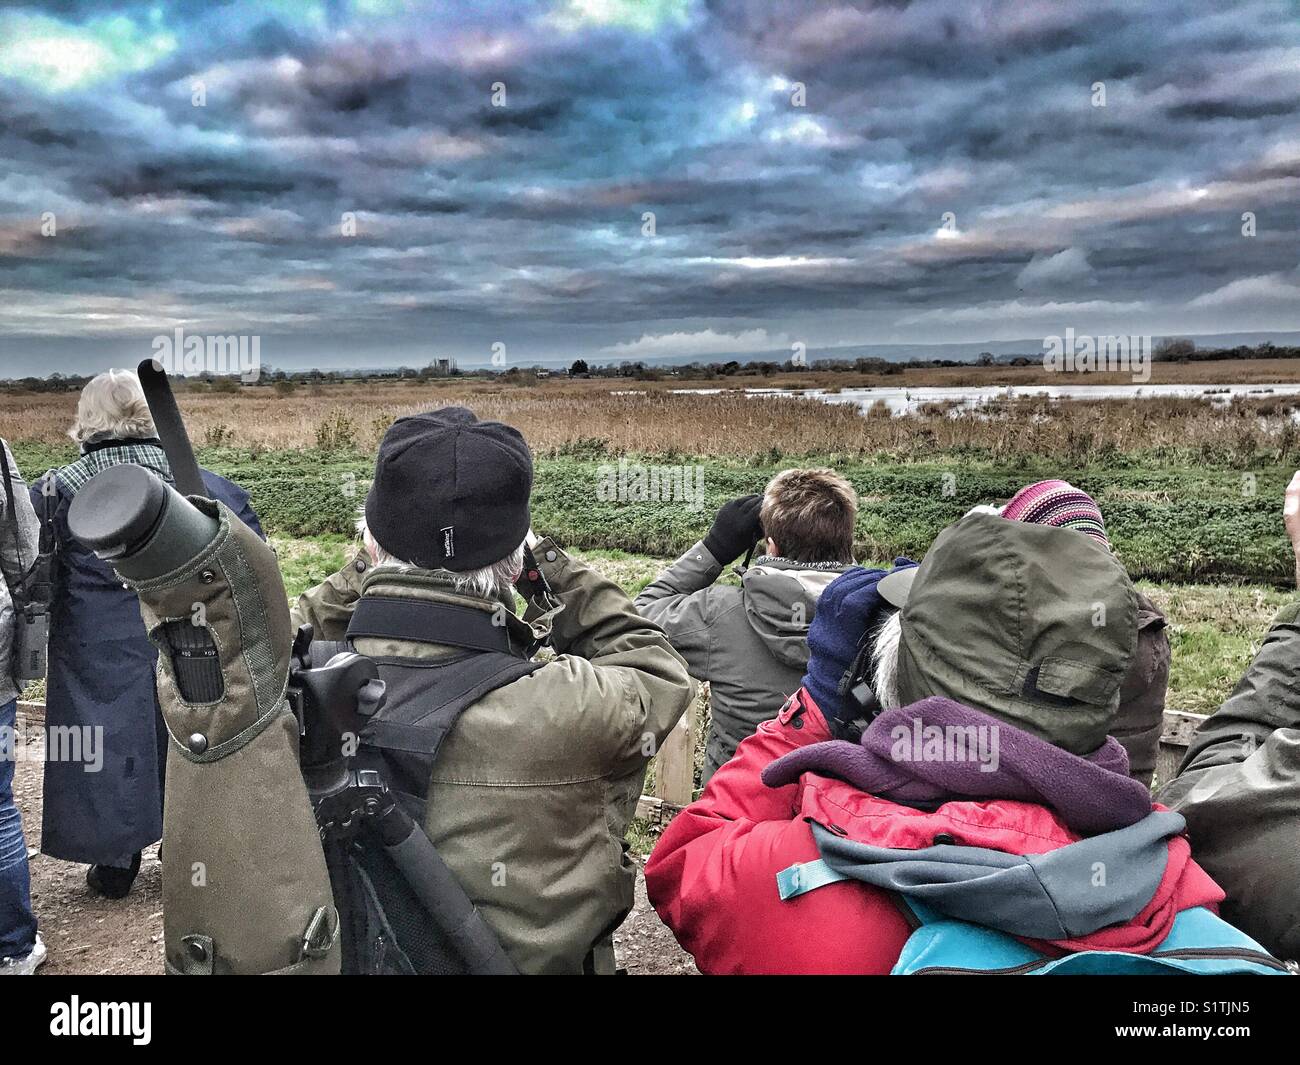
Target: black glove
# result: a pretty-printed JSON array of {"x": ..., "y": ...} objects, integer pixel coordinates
[{"x": 735, "y": 529}]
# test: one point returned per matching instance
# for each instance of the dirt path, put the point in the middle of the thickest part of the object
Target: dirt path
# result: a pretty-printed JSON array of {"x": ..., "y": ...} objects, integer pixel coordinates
[
  {"x": 86, "y": 934},
  {"x": 645, "y": 947},
  {"x": 83, "y": 932}
]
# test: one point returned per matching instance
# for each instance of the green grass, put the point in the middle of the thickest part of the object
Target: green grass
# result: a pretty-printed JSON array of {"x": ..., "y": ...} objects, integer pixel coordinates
[
  {"x": 1183, "y": 523},
  {"x": 304, "y": 563},
  {"x": 1214, "y": 632},
  {"x": 1169, "y": 520}
]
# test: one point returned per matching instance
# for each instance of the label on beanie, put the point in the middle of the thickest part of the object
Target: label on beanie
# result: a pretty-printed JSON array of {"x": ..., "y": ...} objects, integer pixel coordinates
[{"x": 449, "y": 541}]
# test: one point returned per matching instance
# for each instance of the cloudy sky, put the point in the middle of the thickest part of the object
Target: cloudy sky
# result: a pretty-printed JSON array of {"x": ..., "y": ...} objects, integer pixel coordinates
[{"x": 383, "y": 181}]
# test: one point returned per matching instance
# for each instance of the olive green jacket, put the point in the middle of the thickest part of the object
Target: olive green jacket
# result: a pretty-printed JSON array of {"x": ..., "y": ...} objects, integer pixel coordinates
[
  {"x": 533, "y": 790},
  {"x": 1239, "y": 788}
]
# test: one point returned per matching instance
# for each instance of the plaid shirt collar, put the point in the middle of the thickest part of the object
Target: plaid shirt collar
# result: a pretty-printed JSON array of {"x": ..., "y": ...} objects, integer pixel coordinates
[{"x": 111, "y": 453}]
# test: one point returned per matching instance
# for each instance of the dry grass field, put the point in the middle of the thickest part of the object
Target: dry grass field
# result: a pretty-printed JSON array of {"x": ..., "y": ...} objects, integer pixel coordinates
[{"x": 616, "y": 416}]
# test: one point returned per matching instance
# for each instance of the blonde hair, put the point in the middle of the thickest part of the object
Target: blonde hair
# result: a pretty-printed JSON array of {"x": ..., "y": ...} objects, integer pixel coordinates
[{"x": 112, "y": 405}]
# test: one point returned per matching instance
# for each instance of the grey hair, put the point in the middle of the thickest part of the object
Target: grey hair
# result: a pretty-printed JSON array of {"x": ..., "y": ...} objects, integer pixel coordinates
[
  {"x": 488, "y": 582},
  {"x": 884, "y": 676},
  {"x": 112, "y": 405}
]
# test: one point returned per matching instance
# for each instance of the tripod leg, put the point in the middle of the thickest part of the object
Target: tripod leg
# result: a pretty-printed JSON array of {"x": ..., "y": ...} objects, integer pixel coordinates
[{"x": 441, "y": 895}]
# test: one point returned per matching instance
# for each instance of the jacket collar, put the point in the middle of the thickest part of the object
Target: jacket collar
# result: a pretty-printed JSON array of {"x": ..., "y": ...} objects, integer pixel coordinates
[
  {"x": 105, "y": 442},
  {"x": 1054, "y": 895},
  {"x": 410, "y": 582},
  {"x": 779, "y": 562}
]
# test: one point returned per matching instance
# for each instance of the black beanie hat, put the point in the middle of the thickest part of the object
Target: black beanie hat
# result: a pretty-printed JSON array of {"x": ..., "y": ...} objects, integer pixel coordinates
[{"x": 450, "y": 492}]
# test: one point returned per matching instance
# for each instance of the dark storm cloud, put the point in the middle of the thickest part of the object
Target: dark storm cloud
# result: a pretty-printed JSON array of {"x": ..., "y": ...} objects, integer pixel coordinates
[{"x": 948, "y": 175}]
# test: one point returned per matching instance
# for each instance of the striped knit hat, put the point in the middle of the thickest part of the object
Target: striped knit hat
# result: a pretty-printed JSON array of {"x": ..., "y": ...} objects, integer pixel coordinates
[{"x": 1060, "y": 504}]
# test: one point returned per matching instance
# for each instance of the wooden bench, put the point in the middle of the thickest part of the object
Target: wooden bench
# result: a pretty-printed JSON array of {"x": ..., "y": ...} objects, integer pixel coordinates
[
  {"x": 1175, "y": 737},
  {"x": 31, "y": 714}
]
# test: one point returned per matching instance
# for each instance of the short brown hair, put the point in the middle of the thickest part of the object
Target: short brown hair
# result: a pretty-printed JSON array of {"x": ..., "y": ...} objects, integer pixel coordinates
[{"x": 810, "y": 515}]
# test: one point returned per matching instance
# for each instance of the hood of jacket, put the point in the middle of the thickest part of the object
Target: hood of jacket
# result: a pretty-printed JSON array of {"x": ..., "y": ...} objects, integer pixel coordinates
[{"x": 780, "y": 598}]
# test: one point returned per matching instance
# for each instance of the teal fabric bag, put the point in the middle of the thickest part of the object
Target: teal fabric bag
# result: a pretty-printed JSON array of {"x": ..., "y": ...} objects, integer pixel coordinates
[{"x": 1199, "y": 944}]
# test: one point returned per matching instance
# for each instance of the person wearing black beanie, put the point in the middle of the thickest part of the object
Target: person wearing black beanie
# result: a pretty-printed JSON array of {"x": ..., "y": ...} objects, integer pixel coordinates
[
  {"x": 529, "y": 789},
  {"x": 450, "y": 492}
]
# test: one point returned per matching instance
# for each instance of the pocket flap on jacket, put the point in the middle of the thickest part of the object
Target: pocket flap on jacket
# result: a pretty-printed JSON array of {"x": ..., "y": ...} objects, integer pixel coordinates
[{"x": 1076, "y": 680}]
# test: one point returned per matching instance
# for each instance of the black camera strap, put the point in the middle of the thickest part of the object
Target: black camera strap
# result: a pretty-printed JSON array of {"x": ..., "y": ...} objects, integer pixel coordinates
[
  {"x": 425, "y": 702},
  {"x": 421, "y": 621},
  {"x": 855, "y": 688},
  {"x": 49, "y": 544}
]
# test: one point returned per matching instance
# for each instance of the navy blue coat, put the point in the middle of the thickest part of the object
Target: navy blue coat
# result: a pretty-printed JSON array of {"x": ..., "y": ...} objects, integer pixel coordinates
[{"x": 101, "y": 673}]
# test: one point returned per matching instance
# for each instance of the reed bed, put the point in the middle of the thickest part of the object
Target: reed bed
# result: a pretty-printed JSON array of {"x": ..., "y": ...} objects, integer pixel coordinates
[{"x": 594, "y": 418}]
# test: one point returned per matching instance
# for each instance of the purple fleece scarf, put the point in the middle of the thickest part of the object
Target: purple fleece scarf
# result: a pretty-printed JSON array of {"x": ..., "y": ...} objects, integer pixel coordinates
[{"x": 938, "y": 750}]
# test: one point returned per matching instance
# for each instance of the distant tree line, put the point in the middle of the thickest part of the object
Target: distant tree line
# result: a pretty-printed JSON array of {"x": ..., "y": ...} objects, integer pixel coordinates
[{"x": 285, "y": 382}]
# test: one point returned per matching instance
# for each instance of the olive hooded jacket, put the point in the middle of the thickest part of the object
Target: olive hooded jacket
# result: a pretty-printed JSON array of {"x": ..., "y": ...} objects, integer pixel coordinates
[{"x": 533, "y": 789}]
